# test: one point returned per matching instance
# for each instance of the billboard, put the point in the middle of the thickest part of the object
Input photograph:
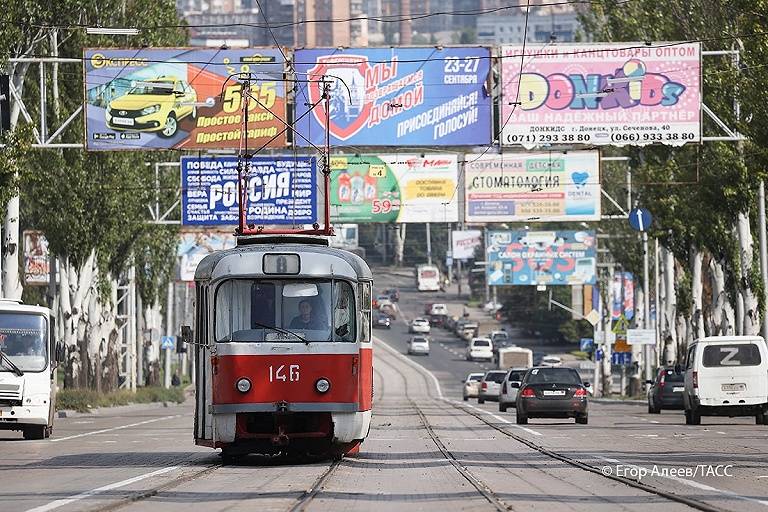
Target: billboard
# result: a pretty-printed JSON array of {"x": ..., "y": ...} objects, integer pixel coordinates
[
  {"x": 541, "y": 257},
  {"x": 432, "y": 96},
  {"x": 183, "y": 98},
  {"x": 195, "y": 245},
  {"x": 281, "y": 190},
  {"x": 525, "y": 187},
  {"x": 601, "y": 94},
  {"x": 37, "y": 257},
  {"x": 394, "y": 188},
  {"x": 465, "y": 243}
]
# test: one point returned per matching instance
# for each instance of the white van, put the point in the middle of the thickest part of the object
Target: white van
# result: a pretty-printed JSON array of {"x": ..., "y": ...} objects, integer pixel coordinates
[
  {"x": 480, "y": 349},
  {"x": 726, "y": 376}
]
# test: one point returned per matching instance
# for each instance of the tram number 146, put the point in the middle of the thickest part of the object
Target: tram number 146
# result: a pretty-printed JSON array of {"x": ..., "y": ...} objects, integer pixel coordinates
[{"x": 290, "y": 374}]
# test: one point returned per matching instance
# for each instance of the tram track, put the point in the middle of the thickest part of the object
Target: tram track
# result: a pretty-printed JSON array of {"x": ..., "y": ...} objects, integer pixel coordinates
[
  {"x": 696, "y": 504},
  {"x": 487, "y": 491},
  {"x": 415, "y": 394}
]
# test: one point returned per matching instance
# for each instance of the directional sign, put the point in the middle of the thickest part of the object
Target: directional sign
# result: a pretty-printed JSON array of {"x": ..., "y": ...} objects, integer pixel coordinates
[
  {"x": 168, "y": 342},
  {"x": 640, "y": 219},
  {"x": 641, "y": 337}
]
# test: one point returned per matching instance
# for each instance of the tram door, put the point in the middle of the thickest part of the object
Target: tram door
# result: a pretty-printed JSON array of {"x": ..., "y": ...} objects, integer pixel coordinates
[{"x": 203, "y": 419}]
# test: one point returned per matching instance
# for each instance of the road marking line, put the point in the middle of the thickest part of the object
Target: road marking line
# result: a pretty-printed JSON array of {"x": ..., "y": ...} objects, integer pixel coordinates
[
  {"x": 116, "y": 428},
  {"x": 87, "y": 494}
]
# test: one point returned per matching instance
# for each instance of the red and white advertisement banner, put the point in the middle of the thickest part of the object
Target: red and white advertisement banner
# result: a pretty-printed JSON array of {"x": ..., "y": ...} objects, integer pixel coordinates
[
  {"x": 601, "y": 94},
  {"x": 465, "y": 243}
]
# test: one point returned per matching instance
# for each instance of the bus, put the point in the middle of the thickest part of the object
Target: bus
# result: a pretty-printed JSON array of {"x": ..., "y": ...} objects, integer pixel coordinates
[
  {"x": 428, "y": 278},
  {"x": 29, "y": 356}
]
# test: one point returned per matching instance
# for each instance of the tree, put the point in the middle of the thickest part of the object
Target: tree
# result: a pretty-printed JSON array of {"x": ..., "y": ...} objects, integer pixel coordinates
[
  {"x": 702, "y": 198},
  {"x": 91, "y": 206}
]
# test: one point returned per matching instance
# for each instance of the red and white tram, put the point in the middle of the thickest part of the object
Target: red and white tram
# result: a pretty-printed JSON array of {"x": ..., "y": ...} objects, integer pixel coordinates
[{"x": 272, "y": 378}]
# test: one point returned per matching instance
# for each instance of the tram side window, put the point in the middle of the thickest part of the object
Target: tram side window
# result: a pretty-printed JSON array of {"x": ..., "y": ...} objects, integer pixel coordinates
[
  {"x": 233, "y": 311},
  {"x": 364, "y": 294},
  {"x": 344, "y": 312}
]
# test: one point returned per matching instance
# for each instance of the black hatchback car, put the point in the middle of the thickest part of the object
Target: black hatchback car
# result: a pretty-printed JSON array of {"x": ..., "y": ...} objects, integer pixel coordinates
[
  {"x": 552, "y": 392},
  {"x": 667, "y": 390}
]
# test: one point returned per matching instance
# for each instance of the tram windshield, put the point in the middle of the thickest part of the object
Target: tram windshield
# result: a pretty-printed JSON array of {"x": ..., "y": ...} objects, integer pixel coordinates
[
  {"x": 23, "y": 342},
  {"x": 292, "y": 311}
]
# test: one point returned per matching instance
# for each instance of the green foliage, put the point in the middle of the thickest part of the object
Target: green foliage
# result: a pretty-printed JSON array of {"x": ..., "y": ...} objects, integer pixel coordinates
[
  {"x": 83, "y": 400},
  {"x": 695, "y": 193},
  {"x": 95, "y": 201},
  {"x": 17, "y": 145}
]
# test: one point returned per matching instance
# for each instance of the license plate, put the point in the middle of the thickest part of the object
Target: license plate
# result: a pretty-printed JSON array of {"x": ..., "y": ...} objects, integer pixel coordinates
[
  {"x": 678, "y": 389},
  {"x": 734, "y": 387},
  {"x": 557, "y": 392},
  {"x": 122, "y": 121}
]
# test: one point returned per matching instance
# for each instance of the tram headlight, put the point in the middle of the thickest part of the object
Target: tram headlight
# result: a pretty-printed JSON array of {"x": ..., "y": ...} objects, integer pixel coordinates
[
  {"x": 322, "y": 385},
  {"x": 243, "y": 385}
]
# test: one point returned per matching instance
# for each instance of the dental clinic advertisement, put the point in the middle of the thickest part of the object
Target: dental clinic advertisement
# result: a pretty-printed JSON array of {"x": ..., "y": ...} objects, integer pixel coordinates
[{"x": 532, "y": 187}]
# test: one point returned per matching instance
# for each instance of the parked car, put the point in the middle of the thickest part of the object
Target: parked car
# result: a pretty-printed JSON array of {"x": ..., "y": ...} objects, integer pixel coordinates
[
  {"x": 510, "y": 386},
  {"x": 418, "y": 345},
  {"x": 383, "y": 321},
  {"x": 480, "y": 349},
  {"x": 667, "y": 390},
  {"x": 419, "y": 325},
  {"x": 153, "y": 105},
  {"x": 490, "y": 386},
  {"x": 552, "y": 392},
  {"x": 471, "y": 386}
]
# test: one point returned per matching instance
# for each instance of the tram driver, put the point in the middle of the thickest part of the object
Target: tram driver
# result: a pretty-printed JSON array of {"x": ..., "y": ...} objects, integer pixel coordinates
[{"x": 306, "y": 319}]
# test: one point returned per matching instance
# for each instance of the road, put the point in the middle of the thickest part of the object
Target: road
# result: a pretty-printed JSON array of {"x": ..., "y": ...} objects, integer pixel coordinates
[{"x": 427, "y": 450}]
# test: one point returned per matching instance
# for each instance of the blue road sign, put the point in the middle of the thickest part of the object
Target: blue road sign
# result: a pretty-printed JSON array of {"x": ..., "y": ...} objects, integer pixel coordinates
[
  {"x": 623, "y": 358},
  {"x": 586, "y": 344},
  {"x": 168, "y": 342},
  {"x": 640, "y": 219}
]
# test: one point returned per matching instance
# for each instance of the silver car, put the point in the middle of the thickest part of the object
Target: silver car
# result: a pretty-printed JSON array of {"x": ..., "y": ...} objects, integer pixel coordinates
[
  {"x": 490, "y": 386},
  {"x": 472, "y": 385},
  {"x": 420, "y": 325},
  {"x": 418, "y": 345},
  {"x": 508, "y": 391}
]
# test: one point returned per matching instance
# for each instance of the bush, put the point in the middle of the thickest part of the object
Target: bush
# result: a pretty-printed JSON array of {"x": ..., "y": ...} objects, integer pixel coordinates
[{"x": 83, "y": 400}]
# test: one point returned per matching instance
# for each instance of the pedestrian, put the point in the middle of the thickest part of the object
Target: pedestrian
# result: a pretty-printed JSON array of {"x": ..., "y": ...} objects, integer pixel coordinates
[{"x": 176, "y": 379}]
